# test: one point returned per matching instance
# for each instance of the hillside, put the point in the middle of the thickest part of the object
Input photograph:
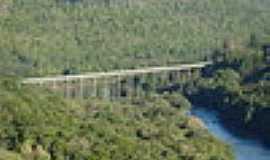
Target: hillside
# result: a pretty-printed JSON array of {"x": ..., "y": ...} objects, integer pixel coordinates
[
  {"x": 54, "y": 37},
  {"x": 71, "y": 36},
  {"x": 38, "y": 125},
  {"x": 238, "y": 87}
]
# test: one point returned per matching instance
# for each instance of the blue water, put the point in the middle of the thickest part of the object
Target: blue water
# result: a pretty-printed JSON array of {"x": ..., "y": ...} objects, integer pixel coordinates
[{"x": 244, "y": 149}]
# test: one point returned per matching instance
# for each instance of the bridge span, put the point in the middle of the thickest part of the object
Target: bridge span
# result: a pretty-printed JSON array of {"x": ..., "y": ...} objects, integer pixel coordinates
[
  {"x": 128, "y": 72},
  {"x": 118, "y": 83}
]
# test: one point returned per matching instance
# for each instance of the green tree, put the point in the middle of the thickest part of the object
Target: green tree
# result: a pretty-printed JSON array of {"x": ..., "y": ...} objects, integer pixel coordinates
[
  {"x": 228, "y": 79},
  {"x": 254, "y": 41}
]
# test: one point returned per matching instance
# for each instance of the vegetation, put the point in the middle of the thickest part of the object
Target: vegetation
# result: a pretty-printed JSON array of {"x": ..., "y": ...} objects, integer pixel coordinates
[
  {"x": 42, "y": 37},
  {"x": 38, "y": 125},
  {"x": 238, "y": 86},
  {"x": 72, "y": 36}
]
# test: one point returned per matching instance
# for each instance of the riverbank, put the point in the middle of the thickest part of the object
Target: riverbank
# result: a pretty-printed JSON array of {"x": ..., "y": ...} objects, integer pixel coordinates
[
  {"x": 239, "y": 91},
  {"x": 244, "y": 148},
  {"x": 237, "y": 86},
  {"x": 240, "y": 119},
  {"x": 240, "y": 114},
  {"x": 229, "y": 118}
]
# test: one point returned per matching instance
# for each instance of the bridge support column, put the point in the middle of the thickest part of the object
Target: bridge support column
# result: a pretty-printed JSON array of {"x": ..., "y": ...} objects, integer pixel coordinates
[
  {"x": 119, "y": 87},
  {"x": 145, "y": 85},
  {"x": 131, "y": 87},
  {"x": 189, "y": 73},
  {"x": 54, "y": 85},
  {"x": 178, "y": 76},
  {"x": 94, "y": 88},
  {"x": 184, "y": 76},
  {"x": 112, "y": 88},
  {"x": 105, "y": 89},
  {"x": 137, "y": 83},
  {"x": 67, "y": 92},
  {"x": 81, "y": 89},
  {"x": 154, "y": 79},
  {"x": 197, "y": 72},
  {"x": 41, "y": 84},
  {"x": 163, "y": 78},
  {"x": 87, "y": 87},
  {"x": 180, "y": 81},
  {"x": 171, "y": 77}
]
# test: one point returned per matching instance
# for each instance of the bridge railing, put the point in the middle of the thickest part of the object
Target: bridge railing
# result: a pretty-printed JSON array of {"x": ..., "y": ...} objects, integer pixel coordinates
[{"x": 128, "y": 72}]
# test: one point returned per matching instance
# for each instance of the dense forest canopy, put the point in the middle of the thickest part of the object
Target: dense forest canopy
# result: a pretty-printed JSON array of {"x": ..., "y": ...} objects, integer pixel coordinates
[
  {"x": 71, "y": 36},
  {"x": 237, "y": 85},
  {"x": 39, "y": 125},
  {"x": 42, "y": 37}
]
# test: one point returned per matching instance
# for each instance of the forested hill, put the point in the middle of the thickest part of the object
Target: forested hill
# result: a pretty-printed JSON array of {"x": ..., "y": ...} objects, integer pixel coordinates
[
  {"x": 39, "y": 125},
  {"x": 41, "y": 37}
]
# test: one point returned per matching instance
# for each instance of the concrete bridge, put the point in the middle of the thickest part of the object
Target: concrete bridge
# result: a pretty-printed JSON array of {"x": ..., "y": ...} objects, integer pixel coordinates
[{"x": 118, "y": 83}]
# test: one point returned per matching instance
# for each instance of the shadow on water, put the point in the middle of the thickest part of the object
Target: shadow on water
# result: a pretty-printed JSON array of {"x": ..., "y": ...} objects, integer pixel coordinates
[{"x": 244, "y": 148}]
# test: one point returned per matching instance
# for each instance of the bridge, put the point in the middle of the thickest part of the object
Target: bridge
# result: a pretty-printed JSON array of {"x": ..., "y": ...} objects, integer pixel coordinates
[{"x": 114, "y": 81}]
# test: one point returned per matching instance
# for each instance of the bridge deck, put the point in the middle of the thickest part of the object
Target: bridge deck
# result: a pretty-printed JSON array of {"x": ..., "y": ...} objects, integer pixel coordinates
[{"x": 128, "y": 72}]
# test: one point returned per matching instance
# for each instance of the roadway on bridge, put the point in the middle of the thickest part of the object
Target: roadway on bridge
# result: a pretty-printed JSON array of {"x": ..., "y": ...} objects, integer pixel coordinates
[{"x": 127, "y": 72}]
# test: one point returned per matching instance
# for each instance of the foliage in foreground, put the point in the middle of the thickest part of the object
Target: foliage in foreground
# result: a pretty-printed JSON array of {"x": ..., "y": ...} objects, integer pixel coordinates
[{"x": 37, "y": 125}]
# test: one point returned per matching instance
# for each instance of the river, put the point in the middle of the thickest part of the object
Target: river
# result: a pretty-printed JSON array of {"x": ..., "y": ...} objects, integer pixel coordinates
[{"x": 244, "y": 149}]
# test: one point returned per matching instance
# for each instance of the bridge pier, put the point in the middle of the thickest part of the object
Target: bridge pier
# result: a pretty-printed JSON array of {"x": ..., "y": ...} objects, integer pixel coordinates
[
  {"x": 189, "y": 72},
  {"x": 40, "y": 84},
  {"x": 128, "y": 89},
  {"x": 151, "y": 81},
  {"x": 119, "y": 87},
  {"x": 66, "y": 90},
  {"x": 137, "y": 83},
  {"x": 163, "y": 78},
  {"x": 171, "y": 78},
  {"x": 132, "y": 92},
  {"x": 142, "y": 86},
  {"x": 81, "y": 88},
  {"x": 105, "y": 91},
  {"x": 94, "y": 87},
  {"x": 86, "y": 85},
  {"x": 114, "y": 88},
  {"x": 197, "y": 72},
  {"x": 54, "y": 85}
]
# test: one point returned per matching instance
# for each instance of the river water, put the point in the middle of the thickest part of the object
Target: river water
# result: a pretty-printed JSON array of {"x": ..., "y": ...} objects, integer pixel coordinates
[{"x": 244, "y": 149}]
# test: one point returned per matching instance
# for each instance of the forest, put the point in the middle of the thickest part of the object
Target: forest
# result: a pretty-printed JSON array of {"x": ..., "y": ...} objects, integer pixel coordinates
[
  {"x": 54, "y": 37},
  {"x": 238, "y": 86},
  {"x": 39, "y": 125},
  {"x": 75, "y": 36}
]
